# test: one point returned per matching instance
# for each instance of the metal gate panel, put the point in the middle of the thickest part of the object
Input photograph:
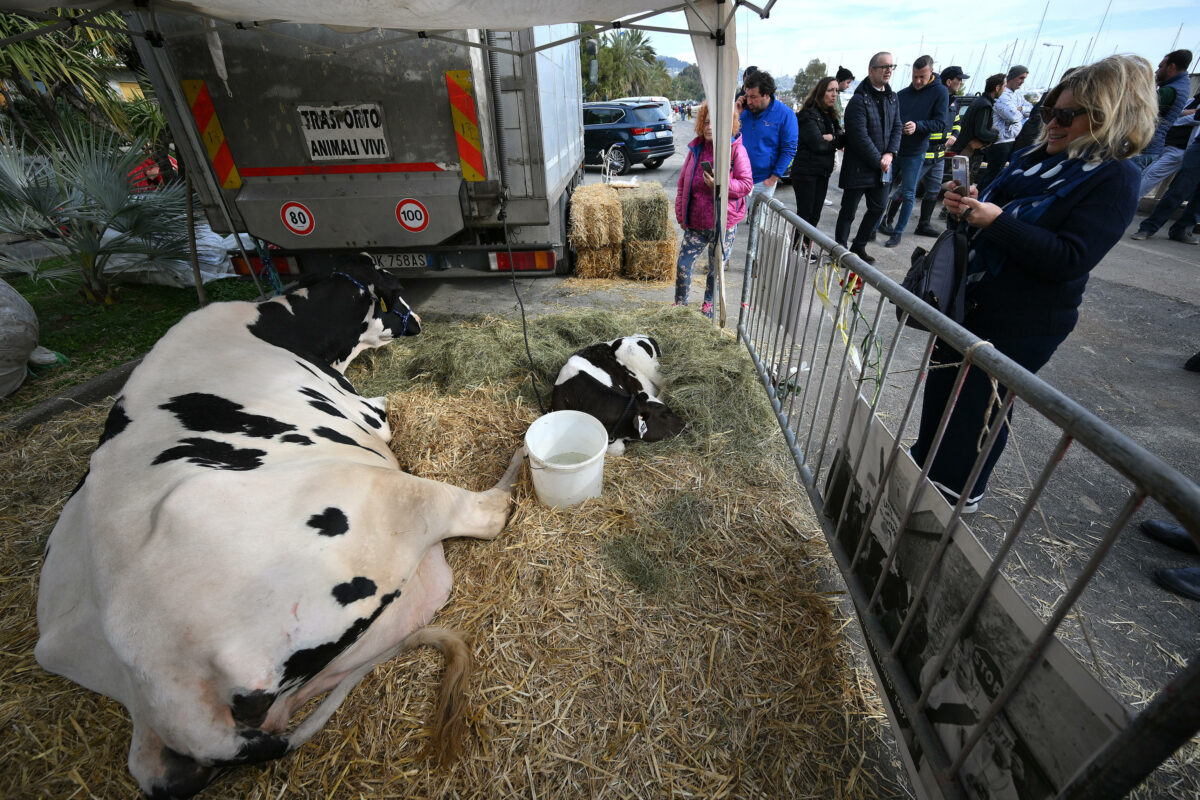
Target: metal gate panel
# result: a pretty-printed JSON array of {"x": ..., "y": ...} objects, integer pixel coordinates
[{"x": 988, "y": 695}]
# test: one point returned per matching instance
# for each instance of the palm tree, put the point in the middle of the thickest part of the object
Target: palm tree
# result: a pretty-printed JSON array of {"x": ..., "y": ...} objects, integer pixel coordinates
[
  {"x": 78, "y": 205},
  {"x": 64, "y": 67},
  {"x": 632, "y": 61}
]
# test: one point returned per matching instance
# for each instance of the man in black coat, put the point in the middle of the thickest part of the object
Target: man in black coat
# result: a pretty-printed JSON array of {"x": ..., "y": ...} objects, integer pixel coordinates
[
  {"x": 873, "y": 130},
  {"x": 978, "y": 129}
]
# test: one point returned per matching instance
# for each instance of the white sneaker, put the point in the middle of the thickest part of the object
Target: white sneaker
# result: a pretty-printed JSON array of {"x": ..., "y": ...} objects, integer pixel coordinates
[{"x": 969, "y": 507}]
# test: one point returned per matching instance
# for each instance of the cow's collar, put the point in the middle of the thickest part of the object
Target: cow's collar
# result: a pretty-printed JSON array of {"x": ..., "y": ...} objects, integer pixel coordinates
[
  {"x": 624, "y": 414},
  {"x": 382, "y": 305}
]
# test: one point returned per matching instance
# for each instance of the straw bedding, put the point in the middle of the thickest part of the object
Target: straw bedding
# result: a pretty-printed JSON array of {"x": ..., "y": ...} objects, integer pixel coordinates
[{"x": 665, "y": 640}]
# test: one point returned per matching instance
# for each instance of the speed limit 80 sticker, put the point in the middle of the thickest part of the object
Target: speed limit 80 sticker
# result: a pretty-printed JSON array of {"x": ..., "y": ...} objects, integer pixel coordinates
[
  {"x": 297, "y": 218},
  {"x": 412, "y": 215}
]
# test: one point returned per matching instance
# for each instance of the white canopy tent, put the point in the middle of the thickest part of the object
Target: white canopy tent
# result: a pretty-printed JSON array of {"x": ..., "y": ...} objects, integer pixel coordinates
[{"x": 709, "y": 23}]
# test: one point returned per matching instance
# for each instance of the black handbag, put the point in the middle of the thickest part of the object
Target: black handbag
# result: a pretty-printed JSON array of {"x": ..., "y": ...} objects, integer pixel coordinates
[{"x": 939, "y": 277}]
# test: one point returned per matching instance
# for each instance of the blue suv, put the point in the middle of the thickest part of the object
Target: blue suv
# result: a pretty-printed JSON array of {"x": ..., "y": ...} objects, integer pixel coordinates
[{"x": 631, "y": 133}]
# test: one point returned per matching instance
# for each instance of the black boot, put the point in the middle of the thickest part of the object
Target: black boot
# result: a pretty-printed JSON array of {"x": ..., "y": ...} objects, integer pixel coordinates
[
  {"x": 888, "y": 226},
  {"x": 924, "y": 225},
  {"x": 1183, "y": 581}
]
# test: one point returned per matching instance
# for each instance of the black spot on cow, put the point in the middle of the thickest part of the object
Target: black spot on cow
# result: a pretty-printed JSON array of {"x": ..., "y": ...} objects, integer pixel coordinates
[
  {"x": 341, "y": 438},
  {"x": 374, "y": 413},
  {"x": 198, "y": 411},
  {"x": 355, "y": 590},
  {"x": 330, "y": 522},
  {"x": 213, "y": 454},
  {"x": 116, "y": 422},
  {"x": 250, "y": 708},
  {"x": 182, "y": 776},
  {"x": 295, "y": 438},
  {"x": 321, "y": 328},
  {"x": 303, "y": 665},
  {"x": 259, "y": 746},
  {"x": 321, "y": 402},
  {"x": 329, "y": 372}
]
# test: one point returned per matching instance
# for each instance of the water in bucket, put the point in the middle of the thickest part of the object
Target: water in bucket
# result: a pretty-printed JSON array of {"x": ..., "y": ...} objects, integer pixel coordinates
[{"x": 566, "y": 457}]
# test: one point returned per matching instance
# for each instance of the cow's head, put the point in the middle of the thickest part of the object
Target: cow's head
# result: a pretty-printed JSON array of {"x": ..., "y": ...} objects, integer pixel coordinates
[
  {"x": 391, "y": 317},
  {"x": 653, "y": 421},
  {"x": 330, "y": 319}
]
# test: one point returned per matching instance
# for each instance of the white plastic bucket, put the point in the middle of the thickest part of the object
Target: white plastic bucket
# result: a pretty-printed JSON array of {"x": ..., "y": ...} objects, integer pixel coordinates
[{"x": 566, "y": 457}]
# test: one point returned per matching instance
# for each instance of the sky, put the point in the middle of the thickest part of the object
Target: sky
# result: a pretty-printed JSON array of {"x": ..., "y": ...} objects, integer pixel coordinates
[{"x": 849, "y": 33}]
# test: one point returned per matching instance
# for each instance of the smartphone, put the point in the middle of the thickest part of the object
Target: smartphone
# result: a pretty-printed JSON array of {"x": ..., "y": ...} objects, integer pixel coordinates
[
  {"x": 960, "y": 172},
  {"x": 706, "y": 166}
]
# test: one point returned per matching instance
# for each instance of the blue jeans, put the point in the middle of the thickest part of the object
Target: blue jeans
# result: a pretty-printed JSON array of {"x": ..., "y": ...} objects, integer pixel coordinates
[
  {"x": 1186, "y": 185},
  {"x": 694, "y": 242},
  {"x": 932, "y": 176},
  {"x": 904, "y": 185}
]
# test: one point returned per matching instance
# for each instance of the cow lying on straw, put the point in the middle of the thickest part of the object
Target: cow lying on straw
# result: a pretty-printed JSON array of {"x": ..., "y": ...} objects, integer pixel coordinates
[{"x": 245, "y": 541}]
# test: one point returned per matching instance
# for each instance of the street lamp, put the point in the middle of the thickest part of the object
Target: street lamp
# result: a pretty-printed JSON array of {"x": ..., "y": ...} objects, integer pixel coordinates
[{"x": 1056, "y": 58}]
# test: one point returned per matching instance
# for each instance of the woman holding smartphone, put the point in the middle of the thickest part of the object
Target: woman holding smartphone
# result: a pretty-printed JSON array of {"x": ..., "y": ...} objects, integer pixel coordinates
[
  {"x": 1035, "y": 233},
  {"x": 820, "y": 135},
  {"x": 695, "y": 211}
]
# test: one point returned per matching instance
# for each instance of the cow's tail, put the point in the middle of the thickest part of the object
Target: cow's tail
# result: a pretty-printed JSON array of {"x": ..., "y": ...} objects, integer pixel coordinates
[{"x": 448, "y": 726}]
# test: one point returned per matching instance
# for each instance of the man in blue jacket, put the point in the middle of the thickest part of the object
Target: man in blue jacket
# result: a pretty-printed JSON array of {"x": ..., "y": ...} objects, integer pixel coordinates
[
  {"x": 923, "y": 108},
  {"x": 873, "y": 132},
  {"x": 769, "y": 132}
]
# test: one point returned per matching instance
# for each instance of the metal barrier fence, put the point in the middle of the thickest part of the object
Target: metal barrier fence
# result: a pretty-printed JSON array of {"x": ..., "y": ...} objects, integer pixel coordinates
[{"x": 985, "y": 688}]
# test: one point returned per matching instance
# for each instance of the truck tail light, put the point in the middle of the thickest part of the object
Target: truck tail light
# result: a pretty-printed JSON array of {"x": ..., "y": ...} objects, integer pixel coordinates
[
  {"x": 522, "y": 261},
  {"x": 639, "y": 131}
]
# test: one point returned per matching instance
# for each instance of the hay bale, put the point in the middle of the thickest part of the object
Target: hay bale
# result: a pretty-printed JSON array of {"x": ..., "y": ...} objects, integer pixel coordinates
[
  {"x": 598, "y": 262},
  {"x": 595, "y": 217},
  {"x": 651, "y": 261},
  {"x": 646, "y": 210}
]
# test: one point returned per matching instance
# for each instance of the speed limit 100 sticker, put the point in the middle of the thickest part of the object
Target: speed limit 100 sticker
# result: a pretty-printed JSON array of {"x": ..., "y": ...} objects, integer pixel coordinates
[
  {"x": 297, "y": 218},
  {"x": 411, "y": 215}
]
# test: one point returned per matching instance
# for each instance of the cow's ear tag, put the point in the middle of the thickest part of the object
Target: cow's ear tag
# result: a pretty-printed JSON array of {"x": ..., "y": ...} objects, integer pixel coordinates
[
  {"x": 641, "y": 426},
  {"x": 382, "y": 306}
]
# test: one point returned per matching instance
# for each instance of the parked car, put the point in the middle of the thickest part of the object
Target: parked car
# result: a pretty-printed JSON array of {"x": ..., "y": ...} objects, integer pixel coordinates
[
  {"x": 630, "y": 133},
  {"x": 667, "y": 108}
]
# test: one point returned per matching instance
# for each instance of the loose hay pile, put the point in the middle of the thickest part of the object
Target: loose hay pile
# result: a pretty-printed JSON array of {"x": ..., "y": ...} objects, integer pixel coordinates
[{"x": 664, "y": 640}]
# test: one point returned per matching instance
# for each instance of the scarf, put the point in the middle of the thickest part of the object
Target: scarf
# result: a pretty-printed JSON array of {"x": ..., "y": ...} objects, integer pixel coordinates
[{"x": 1027, "y": 188}]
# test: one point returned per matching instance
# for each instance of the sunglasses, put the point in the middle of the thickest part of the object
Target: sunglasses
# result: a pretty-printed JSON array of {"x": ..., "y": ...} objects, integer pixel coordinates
[{"x": 1064, "y": 116}]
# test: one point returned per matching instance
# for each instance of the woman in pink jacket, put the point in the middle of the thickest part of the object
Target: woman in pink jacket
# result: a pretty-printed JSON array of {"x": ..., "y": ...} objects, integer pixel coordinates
[{"x": 694, "y": 206}]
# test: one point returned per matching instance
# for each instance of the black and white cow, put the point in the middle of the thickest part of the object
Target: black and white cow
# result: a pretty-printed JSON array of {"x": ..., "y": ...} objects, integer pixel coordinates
[
  {"x": 617, "y": 382},
  {"x": 244, "y": 540}
]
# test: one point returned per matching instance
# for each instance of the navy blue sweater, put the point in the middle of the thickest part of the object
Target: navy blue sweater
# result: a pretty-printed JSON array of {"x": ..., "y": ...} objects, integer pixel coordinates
[
  {"x": 927, "y": 108},
  {"x": 1038, "y": 290}
]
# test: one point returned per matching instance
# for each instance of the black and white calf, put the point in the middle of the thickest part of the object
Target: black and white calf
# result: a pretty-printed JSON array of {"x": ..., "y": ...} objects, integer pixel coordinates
[
  {"x": 617, "y": 382},
  {"x": 245, "y": 541}
]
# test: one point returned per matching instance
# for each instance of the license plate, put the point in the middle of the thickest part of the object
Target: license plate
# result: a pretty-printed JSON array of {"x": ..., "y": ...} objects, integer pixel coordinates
[
  {"x": 401, "y": 260},
  {"x": 663, "y": 134}
]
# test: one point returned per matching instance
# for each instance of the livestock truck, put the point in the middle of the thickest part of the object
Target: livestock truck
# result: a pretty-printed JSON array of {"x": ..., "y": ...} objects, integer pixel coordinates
[{"x": 449, "y": 154}]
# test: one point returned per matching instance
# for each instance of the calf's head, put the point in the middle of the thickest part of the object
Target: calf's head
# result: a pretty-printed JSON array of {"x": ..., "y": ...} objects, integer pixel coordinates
[{"x": 653, "y": 421}]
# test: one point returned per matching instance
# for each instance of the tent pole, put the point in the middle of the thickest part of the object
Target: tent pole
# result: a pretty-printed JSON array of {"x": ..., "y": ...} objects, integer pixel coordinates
[{"x": 717, "y": 111}]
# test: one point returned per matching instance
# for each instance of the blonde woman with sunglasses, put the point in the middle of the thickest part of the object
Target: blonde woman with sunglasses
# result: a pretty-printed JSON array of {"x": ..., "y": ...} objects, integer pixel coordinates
[{"x": 1035, "y": 233}]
